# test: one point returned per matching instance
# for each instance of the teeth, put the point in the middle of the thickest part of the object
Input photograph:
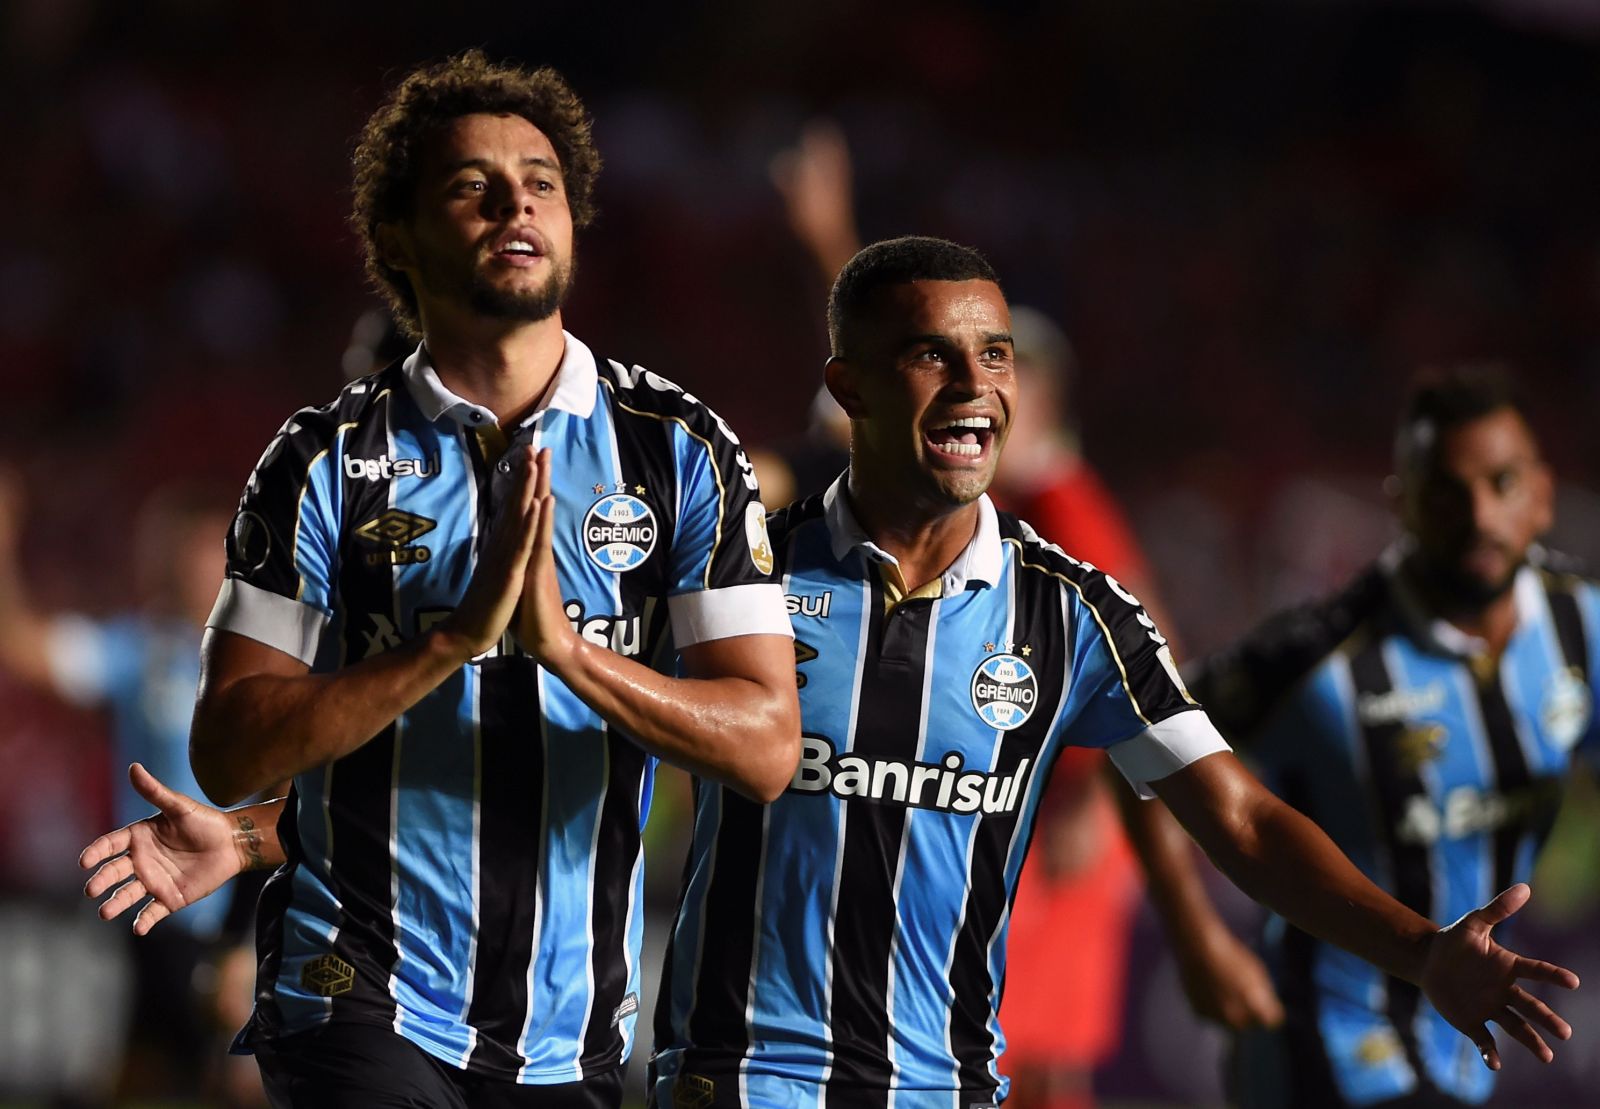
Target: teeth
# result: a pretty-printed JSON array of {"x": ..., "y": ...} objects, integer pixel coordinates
[
  {"x": 970, "y": 450},
  {"x": 971, "y": 421},
  {"x": 518, "y": 247}
]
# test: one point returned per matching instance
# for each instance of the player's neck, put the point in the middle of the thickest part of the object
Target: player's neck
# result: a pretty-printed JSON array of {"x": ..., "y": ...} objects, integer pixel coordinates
[
  {"x": 506, "y": 366},
  {"x": 923, "y": 543},
  {"x": 1492, "y": 621}
]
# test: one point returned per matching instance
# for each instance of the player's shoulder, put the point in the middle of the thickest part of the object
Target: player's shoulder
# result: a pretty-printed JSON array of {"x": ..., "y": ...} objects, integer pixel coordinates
[
  {"x": 1242, "y": 684},
  {"x": 1038, "y": 557},
  {"x": 1560, "y": 570},
  {"x": 782, "y": 524},
  {"x": 314, "y": 428},
  {"x": 646, "y": 393}
]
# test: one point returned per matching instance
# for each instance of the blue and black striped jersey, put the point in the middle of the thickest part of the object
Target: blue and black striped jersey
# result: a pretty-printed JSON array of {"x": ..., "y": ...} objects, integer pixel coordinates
[
  {"x": 472, "y": 875},
  {"x": 1435, "y": 767},
  {"x": 848, "y": 940}
]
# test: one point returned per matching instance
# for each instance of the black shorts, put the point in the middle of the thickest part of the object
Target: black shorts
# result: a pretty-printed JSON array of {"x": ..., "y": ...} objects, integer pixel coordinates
[
  {"x": 1286, "y": 1068},
  {"x": 360, "y": 1066}
]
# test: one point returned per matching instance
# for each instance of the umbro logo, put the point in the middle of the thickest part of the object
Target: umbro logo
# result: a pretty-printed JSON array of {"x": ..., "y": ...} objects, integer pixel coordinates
[{"x": 393, "y": 533}]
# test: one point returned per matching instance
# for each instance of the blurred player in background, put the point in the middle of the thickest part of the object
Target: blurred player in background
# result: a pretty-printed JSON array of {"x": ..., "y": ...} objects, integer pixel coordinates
[
  {"x": 1082, "y": 874},
  {"x": 143, "y": 666},
  {"x": 1426, "y": 717},
  {"x": 446, "y": 592},
  {"x": 846, "y": 943}
]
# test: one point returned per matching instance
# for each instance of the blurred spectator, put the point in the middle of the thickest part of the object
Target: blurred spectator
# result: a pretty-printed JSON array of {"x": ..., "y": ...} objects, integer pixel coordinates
[{"x": 143, "y": 667}]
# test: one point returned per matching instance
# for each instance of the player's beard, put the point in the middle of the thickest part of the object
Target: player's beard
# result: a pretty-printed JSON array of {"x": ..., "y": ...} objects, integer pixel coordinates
[
  {"x": 1467, "y": 593},
  {"x": 528, "y": 306}
]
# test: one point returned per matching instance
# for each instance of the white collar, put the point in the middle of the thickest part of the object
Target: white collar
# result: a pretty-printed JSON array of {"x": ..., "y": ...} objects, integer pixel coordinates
[
  {"x": 571, "y": 390},
  {"x": 981, "y": 560},
  {"x": 1527, "y": 596}
]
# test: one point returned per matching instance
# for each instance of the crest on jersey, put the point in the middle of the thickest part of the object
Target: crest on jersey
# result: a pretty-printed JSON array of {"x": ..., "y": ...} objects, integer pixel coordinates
[
  {"x": 755, "y": 533},
  {"x": 1566, "y": 708},
  {"x": 619, "y": 532},
  {"x": 1004, "y": 692}
]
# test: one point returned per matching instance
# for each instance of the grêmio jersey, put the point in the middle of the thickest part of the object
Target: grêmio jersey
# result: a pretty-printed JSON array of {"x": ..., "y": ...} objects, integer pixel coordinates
[
  {"x": 471, "y": 877},
  {"x": 848, "y": 940},
  {"x": 1434, "y": 767}
]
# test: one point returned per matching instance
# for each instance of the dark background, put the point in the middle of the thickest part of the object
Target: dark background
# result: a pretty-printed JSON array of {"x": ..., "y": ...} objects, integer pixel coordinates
[{"x": 1256, "y": 221}]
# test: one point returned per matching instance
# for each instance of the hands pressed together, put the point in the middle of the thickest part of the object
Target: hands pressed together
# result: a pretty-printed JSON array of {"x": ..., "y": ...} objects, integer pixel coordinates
[{"x": 515, "y": 585}]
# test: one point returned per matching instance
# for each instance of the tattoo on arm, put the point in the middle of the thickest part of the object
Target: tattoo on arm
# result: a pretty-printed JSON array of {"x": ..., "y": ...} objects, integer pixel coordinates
[{"x": 248, "y": 841}]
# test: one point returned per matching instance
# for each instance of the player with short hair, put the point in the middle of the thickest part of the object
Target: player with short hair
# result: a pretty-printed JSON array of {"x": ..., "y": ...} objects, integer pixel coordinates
[
  {"x": 457, "y": 600},
  {"x": 1425, "y": 716},
  {"x": 845, "y": 943}
]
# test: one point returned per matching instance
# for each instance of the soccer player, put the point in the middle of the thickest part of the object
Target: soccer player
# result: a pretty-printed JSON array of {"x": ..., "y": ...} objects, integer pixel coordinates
[
  {"x": 1425, "y": 716},
  {"x": 845, "y": 943},
  {"x": 445, "y": 593}
]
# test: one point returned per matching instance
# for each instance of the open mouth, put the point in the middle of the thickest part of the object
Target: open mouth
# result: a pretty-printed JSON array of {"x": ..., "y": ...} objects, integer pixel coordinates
[
  {"x": 519, "y": 250},
  {"x": 967, "y": 438}
]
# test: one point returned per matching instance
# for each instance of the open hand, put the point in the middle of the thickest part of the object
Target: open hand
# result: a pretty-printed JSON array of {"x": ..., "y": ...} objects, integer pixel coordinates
[
  {"x": 176, "y": 857},
  {"x": 1471, "y": 980}
]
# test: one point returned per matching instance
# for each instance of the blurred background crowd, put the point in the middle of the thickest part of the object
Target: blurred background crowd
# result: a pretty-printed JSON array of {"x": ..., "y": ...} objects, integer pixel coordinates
[{"x": 1254, "y": 221}]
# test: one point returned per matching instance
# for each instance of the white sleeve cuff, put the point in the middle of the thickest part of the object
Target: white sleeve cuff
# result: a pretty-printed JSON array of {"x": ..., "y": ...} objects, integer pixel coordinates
[
  {"x": 1166, "y": 747},
  {"x": 720, "y": 613},
  {"x": 293, "y": 627}
]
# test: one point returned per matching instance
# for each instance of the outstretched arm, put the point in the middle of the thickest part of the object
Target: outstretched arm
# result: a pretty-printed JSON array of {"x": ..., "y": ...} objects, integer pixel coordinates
[
  {"x": 814, "y": 179},
  {"x": 183, "y": 853},
  {"x": 1284, "y": 861},
  {"x": 1223, "y": 979}
]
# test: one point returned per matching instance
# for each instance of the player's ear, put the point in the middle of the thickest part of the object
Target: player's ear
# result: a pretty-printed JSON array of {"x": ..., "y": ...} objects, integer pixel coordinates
[
  {"x": 842, "y": 377},
  {"x": 394, "y": 246}
]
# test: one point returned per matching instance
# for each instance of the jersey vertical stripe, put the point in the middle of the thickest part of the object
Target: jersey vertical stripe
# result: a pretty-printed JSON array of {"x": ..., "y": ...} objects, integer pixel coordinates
[
  {"x": 900, "y": 837},
  {"x": 471, "y": 875}
]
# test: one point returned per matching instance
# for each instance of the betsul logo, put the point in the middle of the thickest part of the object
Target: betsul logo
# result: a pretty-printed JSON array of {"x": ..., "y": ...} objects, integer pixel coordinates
[
  {"x": 619, "y": 533},
  {"x": 1004, "y": 692}
]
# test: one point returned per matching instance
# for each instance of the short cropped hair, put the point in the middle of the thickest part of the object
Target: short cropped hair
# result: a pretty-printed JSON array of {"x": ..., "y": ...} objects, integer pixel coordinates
[
  {"x": 896, "y": 262},
  {"x": 1442, "y": 400},
  {"x": 388, "y": 154}
]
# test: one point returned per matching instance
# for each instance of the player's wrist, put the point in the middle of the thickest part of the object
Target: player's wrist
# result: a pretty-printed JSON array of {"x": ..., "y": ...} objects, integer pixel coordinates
[{"x": 249, "y": 842}]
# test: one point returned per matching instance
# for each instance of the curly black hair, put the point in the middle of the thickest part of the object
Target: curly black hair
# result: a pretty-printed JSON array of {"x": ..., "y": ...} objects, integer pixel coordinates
[{"x": 387, "y": 157}]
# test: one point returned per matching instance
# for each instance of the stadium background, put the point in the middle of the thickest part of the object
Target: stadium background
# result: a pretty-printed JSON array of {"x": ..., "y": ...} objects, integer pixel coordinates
[{"x": 1255, "y": 221}]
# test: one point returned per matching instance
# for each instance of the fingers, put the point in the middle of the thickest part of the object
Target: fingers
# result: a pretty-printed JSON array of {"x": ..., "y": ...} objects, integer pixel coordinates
[
  {"x": 1537, "y": 970},
  {"x": 1503, "y": 906},
  {"x": 149, "y": 916},
  {"x": 151, "y": 789},
  {"x": 1540, "y": 1013},
  {"x": 1523, "y": 1032},
  {"x": 125, "y": 898},
  {"x": 1485, "y": 1044},
  {"x": 117, "y": 870},
  {"x": 112, "y": 843},
  {"x": 542, "y": 472}
]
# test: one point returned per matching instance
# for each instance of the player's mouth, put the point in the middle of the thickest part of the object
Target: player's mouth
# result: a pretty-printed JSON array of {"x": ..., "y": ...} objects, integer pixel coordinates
[
  {"x": 517, "y": 248},
  {"x": 963, "y": 440}
]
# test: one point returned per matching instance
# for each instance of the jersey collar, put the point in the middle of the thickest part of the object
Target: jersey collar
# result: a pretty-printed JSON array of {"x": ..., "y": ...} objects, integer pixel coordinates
[
  {"x": 1526, "y": 592},
  {"x": 571, "y": 390},
  {"x": 980, "y": 562}
]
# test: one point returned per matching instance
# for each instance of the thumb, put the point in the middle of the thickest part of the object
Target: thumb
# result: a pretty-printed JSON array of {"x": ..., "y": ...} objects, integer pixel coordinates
[
  {"x": 1504, "y": 905},
  {"x": 150, "y": 788}
]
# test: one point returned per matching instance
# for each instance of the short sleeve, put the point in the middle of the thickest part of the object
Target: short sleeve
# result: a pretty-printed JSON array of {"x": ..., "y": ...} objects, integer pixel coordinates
[
  {"x": 283, "y": 545},
  {"x": 723, "y": 579},
  {"x": 1127, "y": 695}
]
